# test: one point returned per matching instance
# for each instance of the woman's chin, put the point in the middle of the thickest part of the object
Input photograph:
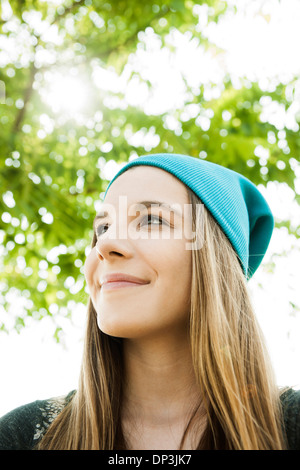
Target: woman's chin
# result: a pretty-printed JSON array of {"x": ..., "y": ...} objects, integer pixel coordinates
[{"x": 117, "y": 328}]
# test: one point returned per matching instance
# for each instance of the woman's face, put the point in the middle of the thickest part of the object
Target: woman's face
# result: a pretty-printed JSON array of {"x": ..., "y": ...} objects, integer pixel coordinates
[{"x": 133, "y": 240}]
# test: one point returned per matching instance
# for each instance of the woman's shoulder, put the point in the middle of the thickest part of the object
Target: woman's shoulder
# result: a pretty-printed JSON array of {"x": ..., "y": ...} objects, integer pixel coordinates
[
  {"x": 23, "y": 427},
  {"x": 290, "y": 400}
]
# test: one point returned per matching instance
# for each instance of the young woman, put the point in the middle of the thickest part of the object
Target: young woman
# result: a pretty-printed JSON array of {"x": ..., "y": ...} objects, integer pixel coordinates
[{"x": 174, "y": 357}]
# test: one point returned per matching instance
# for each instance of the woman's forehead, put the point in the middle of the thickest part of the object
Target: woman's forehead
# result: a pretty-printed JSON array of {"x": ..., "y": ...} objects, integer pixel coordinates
[{"x": 146, "y": 182}]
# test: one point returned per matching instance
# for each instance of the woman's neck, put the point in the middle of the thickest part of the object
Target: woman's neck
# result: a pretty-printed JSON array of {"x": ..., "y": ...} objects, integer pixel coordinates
[{"x": 160, "y": 390}]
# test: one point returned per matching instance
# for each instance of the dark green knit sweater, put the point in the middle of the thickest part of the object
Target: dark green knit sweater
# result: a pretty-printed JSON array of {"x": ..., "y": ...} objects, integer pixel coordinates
[{"x": 23, "y": 427}]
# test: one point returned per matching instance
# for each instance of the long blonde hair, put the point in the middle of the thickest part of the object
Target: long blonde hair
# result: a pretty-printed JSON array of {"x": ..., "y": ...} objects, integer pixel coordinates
[{"x": 231, "y": 364}]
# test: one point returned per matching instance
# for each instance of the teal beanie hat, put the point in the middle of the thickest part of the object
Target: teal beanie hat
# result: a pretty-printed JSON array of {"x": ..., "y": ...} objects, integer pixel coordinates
[{"x": 235, "y": 203}]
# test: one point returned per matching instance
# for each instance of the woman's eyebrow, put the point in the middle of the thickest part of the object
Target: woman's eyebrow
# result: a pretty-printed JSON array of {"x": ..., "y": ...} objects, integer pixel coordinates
[
  {"x": 165, "y": 205},
  {"x": 147, "y": 204}
]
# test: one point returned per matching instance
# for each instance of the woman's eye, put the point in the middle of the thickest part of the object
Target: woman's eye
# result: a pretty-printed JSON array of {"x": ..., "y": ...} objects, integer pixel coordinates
[
  {"x": 155, "y": 218},
  {"x": 99, "y": 229}
]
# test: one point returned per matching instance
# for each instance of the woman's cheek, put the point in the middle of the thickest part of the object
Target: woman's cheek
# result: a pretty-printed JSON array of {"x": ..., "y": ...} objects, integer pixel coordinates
[{"x": 90, "y": 267}]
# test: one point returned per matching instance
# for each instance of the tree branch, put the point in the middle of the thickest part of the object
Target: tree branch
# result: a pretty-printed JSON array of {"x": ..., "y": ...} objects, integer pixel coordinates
[
  {"x": 27, "y": 95},
  {"x": 67, "y": 10}
]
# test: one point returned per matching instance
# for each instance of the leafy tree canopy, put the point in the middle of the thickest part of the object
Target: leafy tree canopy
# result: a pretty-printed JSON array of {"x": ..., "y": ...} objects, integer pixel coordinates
[{"x": 85, "y": 85}]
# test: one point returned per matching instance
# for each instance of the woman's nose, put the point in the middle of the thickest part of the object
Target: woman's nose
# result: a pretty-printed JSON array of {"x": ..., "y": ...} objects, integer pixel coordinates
[
  {"x": 113, "y": 246},
  {"x": 100, "y": 256}
]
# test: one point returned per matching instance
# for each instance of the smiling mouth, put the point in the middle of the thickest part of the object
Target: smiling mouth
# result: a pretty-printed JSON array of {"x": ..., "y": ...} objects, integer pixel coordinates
[{"x": 119, "y": 284}]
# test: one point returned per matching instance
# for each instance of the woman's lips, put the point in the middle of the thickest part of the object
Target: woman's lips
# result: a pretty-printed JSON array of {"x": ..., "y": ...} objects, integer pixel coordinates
[
  {"x": 112, "y": 281},
  {"x": 119, "y": 284}
]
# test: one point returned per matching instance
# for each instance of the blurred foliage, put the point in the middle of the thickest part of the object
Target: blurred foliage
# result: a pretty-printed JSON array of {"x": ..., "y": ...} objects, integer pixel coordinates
[{"x": 53, "y": 161}]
